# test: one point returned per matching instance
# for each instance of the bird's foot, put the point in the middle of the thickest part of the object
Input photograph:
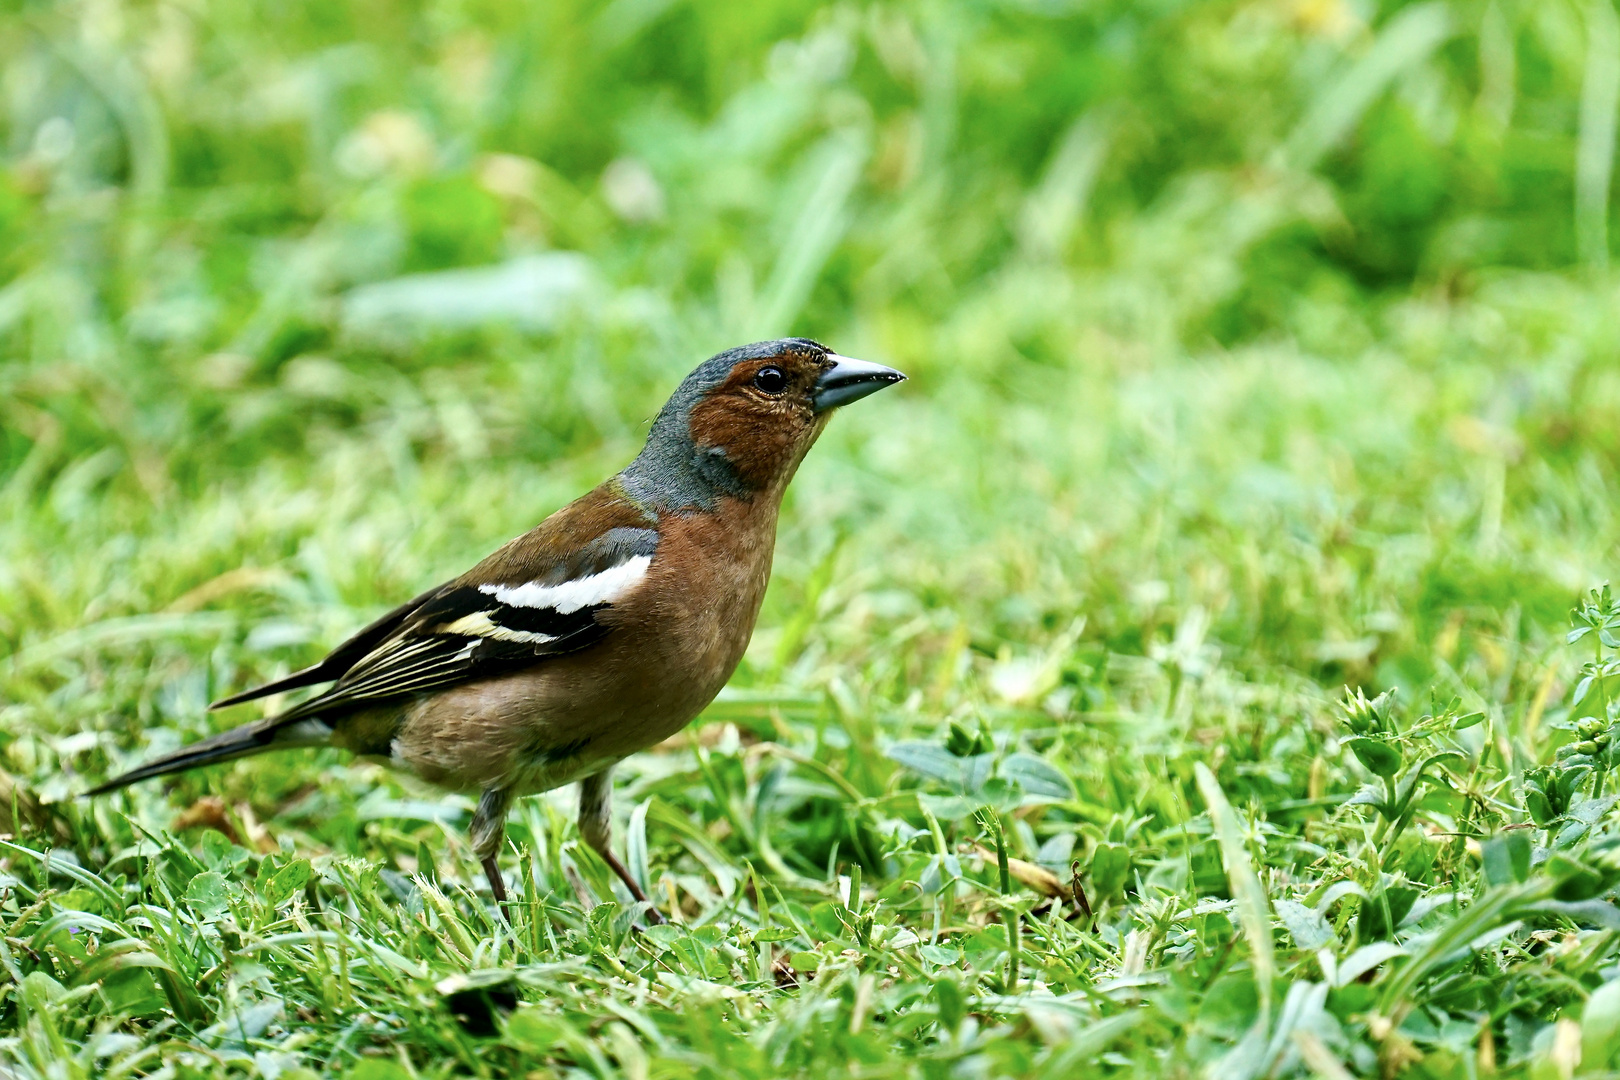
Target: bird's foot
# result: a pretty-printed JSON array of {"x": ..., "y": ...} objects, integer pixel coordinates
[{"x": 497, "y": 886}]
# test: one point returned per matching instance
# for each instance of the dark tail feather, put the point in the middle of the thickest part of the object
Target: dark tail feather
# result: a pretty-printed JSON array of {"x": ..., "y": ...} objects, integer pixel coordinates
[{"x": 239, "y": 742}]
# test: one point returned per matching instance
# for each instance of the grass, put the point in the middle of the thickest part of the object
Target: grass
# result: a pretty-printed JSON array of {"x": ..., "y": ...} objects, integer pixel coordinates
[{"x": 1258, "y": 350}]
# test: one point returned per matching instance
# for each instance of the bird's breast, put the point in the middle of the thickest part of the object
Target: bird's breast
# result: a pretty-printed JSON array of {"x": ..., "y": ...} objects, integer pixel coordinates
[{"x": 682, "y": 635}]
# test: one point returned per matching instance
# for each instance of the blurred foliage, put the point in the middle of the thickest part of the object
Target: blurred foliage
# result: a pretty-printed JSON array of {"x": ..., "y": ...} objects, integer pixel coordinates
[{"x": 1257, "y": 348}]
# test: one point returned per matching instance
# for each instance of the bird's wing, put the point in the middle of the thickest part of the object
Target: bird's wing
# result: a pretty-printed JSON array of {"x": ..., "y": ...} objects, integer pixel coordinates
[
  {"x": 536, "y": 597},
  {"x": 340, "y": 659}
]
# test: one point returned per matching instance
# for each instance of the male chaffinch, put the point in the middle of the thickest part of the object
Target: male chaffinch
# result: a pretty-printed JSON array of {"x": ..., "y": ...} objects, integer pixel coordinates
[{"x": 601, "y": 631}]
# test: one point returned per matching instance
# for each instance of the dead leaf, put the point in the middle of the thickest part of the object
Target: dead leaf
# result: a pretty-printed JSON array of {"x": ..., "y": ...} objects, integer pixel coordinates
[
  {"x": 1031, "y": 875},
  {"x": 208, "y": 812},
  {"x": 241, "y": 828}
]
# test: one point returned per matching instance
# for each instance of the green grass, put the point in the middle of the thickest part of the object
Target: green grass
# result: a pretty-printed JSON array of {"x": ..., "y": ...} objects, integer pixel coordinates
[{"x": 1257, "y": 350}]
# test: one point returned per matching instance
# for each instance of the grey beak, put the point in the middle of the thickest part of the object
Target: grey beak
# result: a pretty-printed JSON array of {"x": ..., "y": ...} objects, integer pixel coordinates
[{"x": 850, "y": 380}]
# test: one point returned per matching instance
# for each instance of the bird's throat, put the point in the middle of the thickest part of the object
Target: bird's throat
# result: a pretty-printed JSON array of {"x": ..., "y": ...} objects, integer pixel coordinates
[{"x": 673, "y": 474}]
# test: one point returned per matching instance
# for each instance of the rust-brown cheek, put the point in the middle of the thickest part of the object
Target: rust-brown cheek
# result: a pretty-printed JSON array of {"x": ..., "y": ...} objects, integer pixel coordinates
[{"x": 762, "y": 442}]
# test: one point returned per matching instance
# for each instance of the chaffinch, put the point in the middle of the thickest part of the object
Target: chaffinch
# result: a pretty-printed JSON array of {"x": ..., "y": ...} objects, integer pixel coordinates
[{"x": 603, "y": 630}]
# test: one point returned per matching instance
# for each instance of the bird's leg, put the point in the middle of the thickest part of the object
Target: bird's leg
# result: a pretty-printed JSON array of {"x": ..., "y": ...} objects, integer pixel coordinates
[
  {"x": 595, "y": 800},
  {"x": 488, "y": 828}
]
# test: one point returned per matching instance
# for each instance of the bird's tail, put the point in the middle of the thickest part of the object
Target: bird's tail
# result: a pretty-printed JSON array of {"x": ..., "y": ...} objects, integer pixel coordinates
[{"x": 254, "y": 738}]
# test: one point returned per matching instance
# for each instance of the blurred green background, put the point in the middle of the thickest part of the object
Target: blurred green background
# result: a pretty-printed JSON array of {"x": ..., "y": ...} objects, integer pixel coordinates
[
  {"x": 1293, "y": 313},
  {"x": 1255, "y": 347}
]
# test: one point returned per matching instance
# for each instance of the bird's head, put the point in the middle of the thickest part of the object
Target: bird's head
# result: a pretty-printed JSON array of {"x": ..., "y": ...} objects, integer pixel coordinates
[{"x": 742, "y": 421}]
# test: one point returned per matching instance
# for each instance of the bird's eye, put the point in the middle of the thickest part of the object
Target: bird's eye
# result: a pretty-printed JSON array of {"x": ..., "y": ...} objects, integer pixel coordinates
[{"x": 771, "y": 380}]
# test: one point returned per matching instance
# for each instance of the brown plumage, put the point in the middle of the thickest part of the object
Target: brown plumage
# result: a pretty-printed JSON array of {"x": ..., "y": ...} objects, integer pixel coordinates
[{"x": 601, "y": 631}]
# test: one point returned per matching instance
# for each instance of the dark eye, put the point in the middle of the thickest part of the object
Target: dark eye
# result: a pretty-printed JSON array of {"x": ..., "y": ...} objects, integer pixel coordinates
[{"x": 771, "y": 380}]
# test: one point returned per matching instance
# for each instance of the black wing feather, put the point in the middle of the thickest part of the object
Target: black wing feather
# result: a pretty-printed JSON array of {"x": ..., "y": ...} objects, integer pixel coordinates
[
  {"x": 429, "y": 655},
  {"x": 339, "y": 659},
  {"x": 457, "y": 633}
]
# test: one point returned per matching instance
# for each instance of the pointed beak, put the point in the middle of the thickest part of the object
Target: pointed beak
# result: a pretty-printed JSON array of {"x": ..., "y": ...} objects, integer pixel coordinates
[{"x": 850, "y": 380}]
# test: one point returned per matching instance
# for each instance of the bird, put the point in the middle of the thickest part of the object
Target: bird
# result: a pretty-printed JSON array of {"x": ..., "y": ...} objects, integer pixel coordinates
[{"x": 603, "y": 630}]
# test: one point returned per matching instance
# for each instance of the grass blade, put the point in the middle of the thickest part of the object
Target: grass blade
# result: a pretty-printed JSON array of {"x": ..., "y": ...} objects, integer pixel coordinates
[
  {"x": 1594, "y": 152},
  {"x": 1254, "y": 914}
]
